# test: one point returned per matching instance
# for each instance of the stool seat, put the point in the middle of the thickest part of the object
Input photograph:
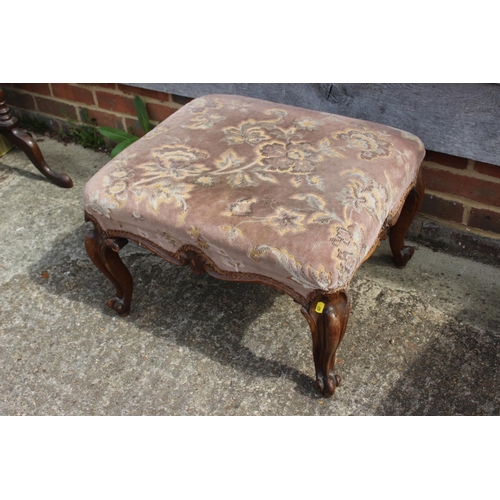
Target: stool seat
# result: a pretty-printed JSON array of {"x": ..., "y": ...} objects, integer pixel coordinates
[
  {"x": 296, "y": 195},
  {"x": 250, "y": 190}
]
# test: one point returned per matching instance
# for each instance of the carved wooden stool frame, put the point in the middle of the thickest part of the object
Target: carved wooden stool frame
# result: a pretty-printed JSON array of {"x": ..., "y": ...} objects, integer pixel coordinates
[{"x": 326, "y": 313}]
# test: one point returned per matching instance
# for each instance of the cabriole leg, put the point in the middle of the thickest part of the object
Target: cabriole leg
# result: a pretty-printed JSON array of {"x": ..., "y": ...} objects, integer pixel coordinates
[
  {"x": 27, "y": 144},
  {"x": 103, "y": 252},
  {"x": 327, "y": 318},
  {"x": 402, "y": 254},
  {"x": 18, "y": 137}
]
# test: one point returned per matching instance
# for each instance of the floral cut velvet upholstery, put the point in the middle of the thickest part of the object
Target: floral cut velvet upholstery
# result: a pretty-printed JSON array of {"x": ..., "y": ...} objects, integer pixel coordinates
[{"x": 296, "y": 195}]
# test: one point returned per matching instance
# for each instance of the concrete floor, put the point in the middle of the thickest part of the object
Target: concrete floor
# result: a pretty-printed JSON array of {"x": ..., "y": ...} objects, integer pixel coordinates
[{"x": 420, "y": 341}]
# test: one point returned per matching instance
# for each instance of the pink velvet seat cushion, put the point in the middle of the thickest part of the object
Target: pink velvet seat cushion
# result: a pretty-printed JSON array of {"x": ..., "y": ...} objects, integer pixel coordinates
[{"x": 288, "y": 193}]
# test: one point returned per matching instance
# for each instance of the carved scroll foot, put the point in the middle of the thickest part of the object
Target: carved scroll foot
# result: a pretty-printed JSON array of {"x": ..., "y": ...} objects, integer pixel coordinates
[
  {"x": 103, "y": 252},
  {"x": 401, "y": 253},
  {"x": 327, "y": 318},
  {"x": 24, "y": 141}
]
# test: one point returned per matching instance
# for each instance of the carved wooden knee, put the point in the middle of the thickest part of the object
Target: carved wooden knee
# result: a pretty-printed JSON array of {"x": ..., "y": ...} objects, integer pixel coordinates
[
  {"x": 327, "y": 318},
  {"x": 402, "y": 254},
  {"x": 103, "y": 252}
]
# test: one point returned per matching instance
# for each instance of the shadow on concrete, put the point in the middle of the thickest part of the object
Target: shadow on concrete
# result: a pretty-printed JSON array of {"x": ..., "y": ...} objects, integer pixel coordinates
[
  {"x": 423, "y": 365},
  {"x": 196, "y": 311},
  {"x": 465, "y": 288},
  {"x": 7, "y": 171},
  {"x": 417, "y": 360},
  {"x": 457, "y": 374}
]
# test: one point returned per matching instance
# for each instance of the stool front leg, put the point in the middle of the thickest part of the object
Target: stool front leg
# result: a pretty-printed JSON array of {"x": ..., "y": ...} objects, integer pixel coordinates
[
  {"x": 103, "y": 252},
  {"x": 327, "y": 318},
  {"x": 401, "y": 253}
]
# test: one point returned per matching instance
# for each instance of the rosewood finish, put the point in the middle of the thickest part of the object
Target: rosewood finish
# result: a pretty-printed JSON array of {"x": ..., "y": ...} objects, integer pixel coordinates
[
  {"x": 326, "y": 313},
  {"x": 9, "y": 127}
]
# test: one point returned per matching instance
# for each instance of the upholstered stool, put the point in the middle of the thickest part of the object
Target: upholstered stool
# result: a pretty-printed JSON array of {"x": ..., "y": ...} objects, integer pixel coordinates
[{"x": 249, "y": 190}]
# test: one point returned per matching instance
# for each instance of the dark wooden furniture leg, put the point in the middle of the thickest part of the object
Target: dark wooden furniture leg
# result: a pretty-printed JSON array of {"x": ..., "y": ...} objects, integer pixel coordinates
[
  {"x": 103, "y": 252},
  {"x": 326, "y": 314},
  {"x": 9, "y": 128},
  {"x": 327, "y": 318},
  {"x": 402, "y": 254}
]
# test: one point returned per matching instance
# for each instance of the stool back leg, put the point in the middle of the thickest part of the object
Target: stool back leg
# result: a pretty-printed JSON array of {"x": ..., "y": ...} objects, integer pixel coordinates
[
  {"x": 401, "y": 253},
  {"x": 327, "y": 329},
  {"x": 103, "y": 252}
]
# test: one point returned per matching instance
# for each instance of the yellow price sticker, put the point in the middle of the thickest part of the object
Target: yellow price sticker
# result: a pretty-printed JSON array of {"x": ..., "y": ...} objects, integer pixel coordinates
[{"x": 319, "y": 307}]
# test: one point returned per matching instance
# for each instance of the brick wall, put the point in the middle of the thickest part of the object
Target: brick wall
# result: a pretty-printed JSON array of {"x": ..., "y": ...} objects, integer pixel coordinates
[
  {"x": 462, "y": 195},
  {"x": 109, "y": 104}
]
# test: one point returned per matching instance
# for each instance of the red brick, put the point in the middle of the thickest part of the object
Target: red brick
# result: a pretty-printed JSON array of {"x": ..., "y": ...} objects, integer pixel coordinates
[
  {"x": 56, "y": 108},
  {"x": 447, "y": 160},
  {"x": 487, "y": 168},
  {"x": 37, "y": 88},
  {"x": 116, "y": 102},
  {"x": 72, "y": 93},
  {"x": 444, "y": 209},
  {"x": 104, "y": 119},
  {"x": 153, "y": 94},
  {"x": 179, "y": 99},
  {"x": 18, "y": 99},
  {"x": 468, "y": 187},
  {"x": 134, "y": 126},
  {"x": 158, "y": 112},
  {"x": 485, "y": 219}
]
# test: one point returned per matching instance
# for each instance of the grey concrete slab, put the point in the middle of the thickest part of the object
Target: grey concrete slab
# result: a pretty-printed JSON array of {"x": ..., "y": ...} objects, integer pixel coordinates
[{"x": 420, "y": 341}]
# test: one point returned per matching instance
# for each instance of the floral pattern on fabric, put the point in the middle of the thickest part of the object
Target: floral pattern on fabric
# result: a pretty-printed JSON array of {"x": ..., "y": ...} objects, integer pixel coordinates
[
  {"x": 205, "y": 114},
  {"x": 294, "y": 194},
  {"x": 305, "y": 275},
  {"x": 370, "y": 144}
]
